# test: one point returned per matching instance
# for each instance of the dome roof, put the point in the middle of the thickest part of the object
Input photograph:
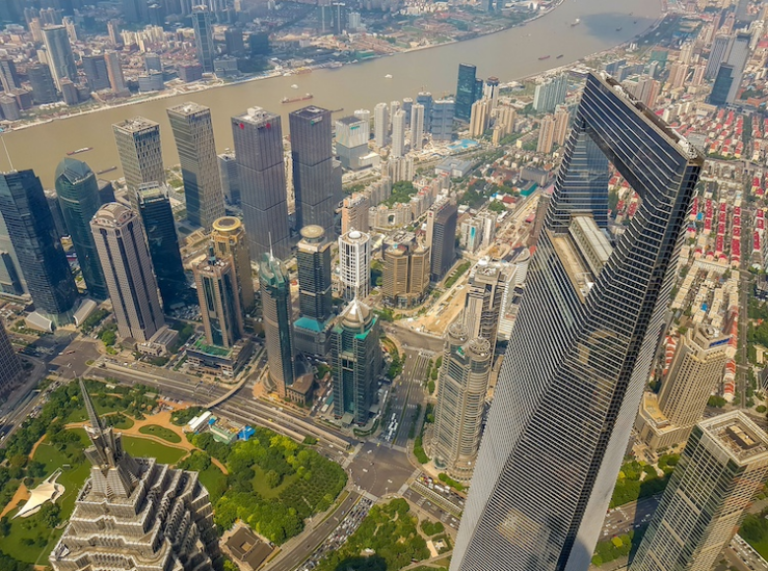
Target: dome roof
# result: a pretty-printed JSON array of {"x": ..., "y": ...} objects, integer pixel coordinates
[{"x": 357, "y": 315}]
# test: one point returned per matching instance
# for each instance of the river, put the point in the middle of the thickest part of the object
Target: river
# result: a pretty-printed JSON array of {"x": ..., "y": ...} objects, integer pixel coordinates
[{"x": 508, "y": 55}]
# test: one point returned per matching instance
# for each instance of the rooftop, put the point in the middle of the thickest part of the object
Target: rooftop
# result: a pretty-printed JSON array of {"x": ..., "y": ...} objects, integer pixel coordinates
[
  {"x": 350, "y": 120},
  {"x": 739, "y": 436},
  {"x": 136, "y": 124},
  {"x": 257, "y": 116},
  {"x": 311, "y": 112},
  {"x": 188, "y": 108}
]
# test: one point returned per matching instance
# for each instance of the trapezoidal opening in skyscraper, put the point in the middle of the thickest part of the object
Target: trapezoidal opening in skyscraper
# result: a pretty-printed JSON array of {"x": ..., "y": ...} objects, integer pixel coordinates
[{"x": 581, "y": 349}]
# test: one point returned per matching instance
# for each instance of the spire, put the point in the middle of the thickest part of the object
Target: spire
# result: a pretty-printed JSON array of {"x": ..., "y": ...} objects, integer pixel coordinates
[
  {"x": 271, "y": 257},
  {"x": 92, "y": 416}
]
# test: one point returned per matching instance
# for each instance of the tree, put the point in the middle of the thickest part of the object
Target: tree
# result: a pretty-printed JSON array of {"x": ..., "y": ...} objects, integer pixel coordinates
[{"x": 497, "y": 206}]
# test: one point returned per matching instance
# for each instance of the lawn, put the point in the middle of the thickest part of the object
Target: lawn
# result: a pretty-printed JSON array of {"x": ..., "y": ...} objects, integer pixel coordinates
[
  {"x": 113, "y": 404},
  {"x": 260, "y": 484},
  {"x": 214, "y": 481},
  {"x": 161, "y": 432},
  {"x": 143, "y": 448}
]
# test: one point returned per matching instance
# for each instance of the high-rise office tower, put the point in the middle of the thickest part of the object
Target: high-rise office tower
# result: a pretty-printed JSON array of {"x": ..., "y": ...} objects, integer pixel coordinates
[
  {"x": 405, "y": 277},
  {"x": 572, "y": 406},
  {"x": 717, "y": 55},
  {"x": 278, "y": 323},
  {"x": 33, "y": 235},
  {"x": 96, "y": 72},
  {"x": 258, "y": 136},
  {"x": 441, "y": 237},
  {"x": 135, "y": 513},
  {"x": 11, "y": 371},
  {"x": 41, "y": 80},
  {"x": 398, "y": 134},
  {"x": 354, "y": 213},
  {"x": 230, "y": 241},
  {"x": 9, "y": 79},
  {"x": 230, "y": 177},
  {"x": 128, "y": 270},
  {"x": 355, "y": 264},
  {"x": 550, "y": 93},
  {"x": 425, "y": 98},
  {"x": 78, "y": 194},
  {"x": 546, "y": 135},
  {"x": 201, "y": 22},
  {"x": 694, "y": 373},
  {"x": 316, "y": 174},
  {"x": 313, "y": 259},
  {"x": 488, "y": 283},
  {"x": 381, "y": 125},
  {"x": 156, "y": 215},
  {"x": 217, "y": 293},
  {"x": 417, "y": 127},
  {"x": 141, "y": 156},
  {"x": 356, "y": 362},
  {"x": 442, "y": 119},
  {"x": 465, "y": 91},
  {"x": 463, "y": 379},
  {"x": 724, "y": 465},
  {"x": 352, "y": 134},
  {"x": 193, "y": 132},
  {"x": 115, "y": 72},
  {"x": 407, "y": 107},
  {"x": 59, "y": 52},
  {"x": 731, "y": 71}
]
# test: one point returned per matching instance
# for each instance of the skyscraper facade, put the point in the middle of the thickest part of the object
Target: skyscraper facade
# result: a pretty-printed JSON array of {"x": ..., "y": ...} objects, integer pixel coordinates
[
  {"x": 201, "y": 22},
  {"x": 230, "y": 241},
  {"x": 717, "y": 55},
  {"x": 141, "y": 156},
  {"x": 316, "y": 174},
  {"x": 95, "y": 67},
  {"x": 59, "y": 52},
  {"x": 724, "y": 465},
  {"x": 417, "y": 127},
  {"x": 78, "y": 194},
  {"x": 193, "y": 131},
  {"x": 443, "y": 111},
  {"x": 134, "y": 513},
  {"x": 258, "y": 137},
  {"x": 11, "y": 371},
  {"x": 398, "y": 134},
  {"x": 352, "y": 134},
  {"x": 9, "y": 79},
  {"x": 313, "y": 259},
  {"x": 115, "y": 72},
  {"x": 465, "y": 91},
  {"x": 550, "y": 93},
  {"x": 578, "y": 359},
  {"x": 354, "y": 213},
  {"x": 441, "y": 238},
  {"x": 33, "y": 236},
  {"x": 487, "y": 285},
  {"x": 463, "y": 382},
  {"x": 163, "y": 241},
  {"x": 731, "y": 71},
  {"x": 219, "y": 300},
  {"x": 405, "y": 277},
  {"x": 41, "y": 80},
  {"x": 425, "y": 98},
  {"x": 278, "y": 326},
  {"x": 230, "y": 178},
  {"x": 381, "y": 125},
  {"x": 356, "y": 362},
  {"x": 128, "y": 271},
  {"x": 355, "y": 264}
]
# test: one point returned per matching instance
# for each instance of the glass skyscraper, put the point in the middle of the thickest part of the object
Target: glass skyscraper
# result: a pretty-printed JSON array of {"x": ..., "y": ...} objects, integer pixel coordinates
[
  {"x": 278, "y": 329},
  {"x": 60, "y": 56},
  {"x": 141, "y": 156},
  {"x": 466, "y": 91},
  {"x": 38, "y": 249},
  {"x": 160, "y": 230},
  {"x": 201, "y": 22},
  {"x": 580, "y": 353}
]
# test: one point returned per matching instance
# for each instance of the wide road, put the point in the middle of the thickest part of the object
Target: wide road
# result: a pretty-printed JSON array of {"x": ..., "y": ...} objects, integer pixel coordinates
[
  {"x": 380, "y": 470},
  {"x": 623, "y": 519},
  {"x": 411, "y": 391}
]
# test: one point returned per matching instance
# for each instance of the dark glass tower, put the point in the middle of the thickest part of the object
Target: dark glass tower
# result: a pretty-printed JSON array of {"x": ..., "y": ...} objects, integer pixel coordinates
[
  {"x": 356, "y": 361},
  {"x": 466, "y": 91},
  {"x": 141, "y": 156},
  {"x": 316, "y": 175},
  {"x": 201, "y": 22},
  {"x": 11, "y": 371},
  {"x": 313, "y": 258},
  {"x": 278, "y": 329},
  {"x": 441, "y": 237},
  {"x": 95, "y": 67},
  {"x": 41, "y": 80},
  {"x": 160, "y": 229},
  {"x": 582, "y": 347},
  {"x": 78, "y": 193},
  {"x": 258, "y": 137},
  {"x": 33, "y": 235}
]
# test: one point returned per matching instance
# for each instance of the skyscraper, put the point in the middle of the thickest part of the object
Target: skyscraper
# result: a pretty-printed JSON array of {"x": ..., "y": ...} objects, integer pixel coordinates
[
  {"x": 694, "y": 373},
  {"x": 11, "y": 371},
  {"x": 78, "y": 193},
  {"x": 96, "y": 72},
  {"x": 278, "y": 326},
  {"x": 193, "y": 131},
  {"x": 115, "y": 72},
  {"x": 138, "y": 145},
  {"x": 398, "y": 134},
  {"x": 354, "y": 213},
  {"x": 219, "y": 300},
  {"x": 405, "y": 277},
  {"x": 230, "y": 241},
  {"x": 9, "y": 79},
  {"x": 717, "y": 55},
  {"x": 352, "y": 134},
  {"x": 731, "y": 71},
  {"x": 230, "y": 178},
  {"x": 381, "y": 125},
  {"x": 33, "y": 235},
  {"x": 41, "y": 80},
  {"x": 463, "y": 379},
  {"x": 135, "y": 513},
  {"x": 316, "y": 174},
  {"x": 128, "y": 271},
  {"x": 487, "y": 285},
  {"x": 313, "y": 259},
  {"x": 591, "y": 315},
  {"x": 562, "y": 120},
  {"x": 258, "y": 137},
  {"x": 465, "y": 91},
  {"x": 442, "y": 119},
  {"x": 724, "y": 465},
  {"x": 201, "y": 22},
  {"x": 425, "y": 98},
  {"x": 441, "y": 237},
  {"x": 356, "y": 362},
  {"x": 550, "y": 93},
  {"x": 480, "y": 118},
  {"x": 59, "y": 52},
  {"x": 546, "y": 135},
  {"x": 160, "y": 229},
  {"x": 417, "y": 127},
  {"x": 355, "y": 264}
]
